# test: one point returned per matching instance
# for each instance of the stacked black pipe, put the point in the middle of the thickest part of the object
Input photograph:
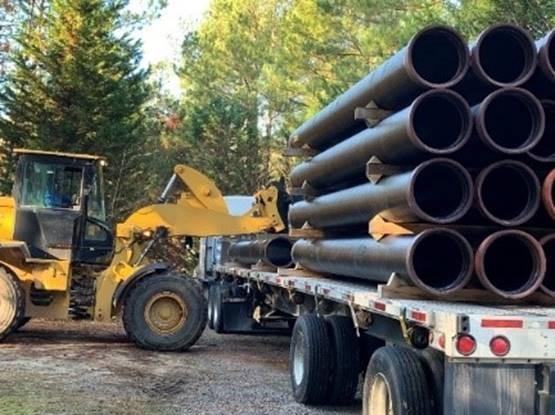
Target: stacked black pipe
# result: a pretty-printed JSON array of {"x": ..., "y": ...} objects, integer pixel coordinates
[{"x": 464, "y": 138}]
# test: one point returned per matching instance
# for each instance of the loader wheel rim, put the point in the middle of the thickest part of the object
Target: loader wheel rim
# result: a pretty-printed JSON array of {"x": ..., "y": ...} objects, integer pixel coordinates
[
  {"x": 379, "y": 399},
  {"x": 166, "y": 313},
  {"x": 7, "y": 307}
]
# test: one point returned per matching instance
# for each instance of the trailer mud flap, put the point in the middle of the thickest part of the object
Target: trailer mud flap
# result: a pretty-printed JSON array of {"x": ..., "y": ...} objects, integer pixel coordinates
[{"x": 491, "y": 389}]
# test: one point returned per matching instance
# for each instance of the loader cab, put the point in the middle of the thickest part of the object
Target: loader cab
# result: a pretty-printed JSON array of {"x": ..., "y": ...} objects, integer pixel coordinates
[{"x": 60, "y": 210}]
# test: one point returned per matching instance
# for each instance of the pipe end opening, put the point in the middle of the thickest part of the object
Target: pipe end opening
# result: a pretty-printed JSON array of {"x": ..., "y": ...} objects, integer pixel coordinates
[
  {"x": 544, "y": 151},
  {"x": 441, "y": 191},
  {"x": 441, "y": 261},
  {"x": 439, "y": 56},
  {"x": 513, "y": 264},
  {"x": 441, "y": 121},
  {"x": 508, "y": 193},
  {"x": 278, "y": 251},
  {"x": 548, "y": 284},
  {"x": 506, "y": 55},
  {"x": 512, "y": 121}
]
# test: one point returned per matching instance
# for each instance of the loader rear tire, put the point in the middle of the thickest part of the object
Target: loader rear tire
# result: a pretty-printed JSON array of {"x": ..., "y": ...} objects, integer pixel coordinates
[
  {"x": 165, "y": 312},
  {"x": 22, "y": 322},
  {"x": 12, "y": 303}
]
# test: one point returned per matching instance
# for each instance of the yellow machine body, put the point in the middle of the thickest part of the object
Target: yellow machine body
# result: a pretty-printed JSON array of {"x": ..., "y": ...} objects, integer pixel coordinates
[{"x": 198, "y": 210}]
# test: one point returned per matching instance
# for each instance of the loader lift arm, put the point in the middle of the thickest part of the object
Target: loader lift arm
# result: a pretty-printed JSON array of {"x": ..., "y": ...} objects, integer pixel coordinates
[{"x": 199, "y": 211}]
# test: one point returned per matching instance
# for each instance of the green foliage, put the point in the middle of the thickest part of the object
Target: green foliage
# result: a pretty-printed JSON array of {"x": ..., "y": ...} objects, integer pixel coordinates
[
  {"x": 76, "y": 86},
  {"x": 253, "y": 71}
]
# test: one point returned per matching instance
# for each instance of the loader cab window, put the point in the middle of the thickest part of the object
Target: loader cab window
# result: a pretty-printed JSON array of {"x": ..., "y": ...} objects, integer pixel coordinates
[
  {"x": 96, "y": 208},
  {"x": 50, "y": 185}
]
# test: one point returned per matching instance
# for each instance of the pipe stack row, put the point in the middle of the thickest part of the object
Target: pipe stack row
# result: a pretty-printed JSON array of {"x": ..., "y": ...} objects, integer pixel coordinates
[{"x": 466, "y": 139}]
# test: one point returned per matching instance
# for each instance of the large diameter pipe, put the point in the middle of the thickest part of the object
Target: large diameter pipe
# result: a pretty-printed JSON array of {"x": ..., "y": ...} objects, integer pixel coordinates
[
  {"x": 509, "y": 121},
  {"x": 438, "y": 191},
  {"x": 510, "y": 263},
  {"x": 543, "y": 81},
  {"x": 544, "y": 150},
  {"x": 507, "y": 192},
  {"x": 548, "y": 245},
  {"x": 435, "y": 57},
  {"x": 275, "y": 252},
  {"x": 438, "y": 123},
  {"x": 546, "y": 56},
  {"x": 437, "y": 260},
  {"x": 548, "y": 194},
  {"x": 503, "y": 55}
]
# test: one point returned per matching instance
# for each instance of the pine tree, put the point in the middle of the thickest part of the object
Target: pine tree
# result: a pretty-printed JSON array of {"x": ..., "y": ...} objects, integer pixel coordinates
[{"x": 77, "y": 86}]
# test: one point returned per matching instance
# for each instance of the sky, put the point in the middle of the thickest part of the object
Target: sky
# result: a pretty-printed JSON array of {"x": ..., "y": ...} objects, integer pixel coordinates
[{"x": 162, "y": 38}]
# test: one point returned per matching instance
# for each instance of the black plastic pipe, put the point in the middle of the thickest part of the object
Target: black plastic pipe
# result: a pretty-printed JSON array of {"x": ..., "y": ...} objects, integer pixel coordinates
[
  {"x": 510, "y": 263},
  {"x": 438, "y": 191},
  {"x": 504, "y": 55},
  {"x": 437, "y": 260},
  {"x": 275, "y": 252},
  {"x": 438, "y": 123},
  {"x": 507, "y": 193},
  {"x": 436, "y": 57}
]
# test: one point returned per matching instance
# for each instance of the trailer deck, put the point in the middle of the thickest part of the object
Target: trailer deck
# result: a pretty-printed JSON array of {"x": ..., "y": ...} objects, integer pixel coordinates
[{"x": 530, "y": 329}]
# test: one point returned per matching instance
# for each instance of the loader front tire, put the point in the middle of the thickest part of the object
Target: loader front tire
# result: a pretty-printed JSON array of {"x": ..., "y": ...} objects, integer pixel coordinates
[
  {"x": 12, "y": 303},
  {"x": 165, "y": 312}
]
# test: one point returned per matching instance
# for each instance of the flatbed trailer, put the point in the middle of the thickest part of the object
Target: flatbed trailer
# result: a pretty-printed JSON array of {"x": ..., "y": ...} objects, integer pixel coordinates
[{"x": 453, "y": 357}]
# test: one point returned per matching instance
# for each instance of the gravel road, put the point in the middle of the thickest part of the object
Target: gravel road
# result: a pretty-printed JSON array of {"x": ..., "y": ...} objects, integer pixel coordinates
[{"x": 91, "y": 368}]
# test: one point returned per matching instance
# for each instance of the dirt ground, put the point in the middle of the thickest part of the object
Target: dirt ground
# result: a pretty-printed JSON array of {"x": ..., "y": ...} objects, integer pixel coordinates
[{"x": 91, "y": 368}]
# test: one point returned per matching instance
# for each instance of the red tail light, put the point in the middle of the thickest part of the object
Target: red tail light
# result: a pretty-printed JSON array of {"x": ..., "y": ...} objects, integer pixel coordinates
[
  {"x": 500, "y": 345},
  {"x": 465, "y": 344}
]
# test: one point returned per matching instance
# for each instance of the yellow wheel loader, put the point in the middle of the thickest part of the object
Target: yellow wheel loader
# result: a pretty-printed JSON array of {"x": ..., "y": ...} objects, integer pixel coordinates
[{"x": 59, "y": 258}]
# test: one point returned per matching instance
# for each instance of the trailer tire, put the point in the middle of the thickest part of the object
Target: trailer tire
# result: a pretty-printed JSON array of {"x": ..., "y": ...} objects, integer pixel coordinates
[
  {"x": 12, "y": 304},
  {"x": 218, "y": 308},
  {"x": 309, "y": 360},
  {"x": 211, "y": 290},
  {"x": 396, "y": 383},
  {"x": 345, "y": 346},
  {"x": 165, "y": 312},
  {"x": 434, "y": 366}
]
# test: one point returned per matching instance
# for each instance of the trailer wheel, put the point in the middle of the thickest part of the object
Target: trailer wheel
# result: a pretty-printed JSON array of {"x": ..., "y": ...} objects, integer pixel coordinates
[
  {"x": 395, "y": 384},
  {"x": 309, "y": 360},
  {"x": 345, "y": 346},
  {"x": 12, "y": 303},
  {"x": 165, "y": 312},
  {"x": 211, "y": 290},
  {"x": 217, "y": 310}
]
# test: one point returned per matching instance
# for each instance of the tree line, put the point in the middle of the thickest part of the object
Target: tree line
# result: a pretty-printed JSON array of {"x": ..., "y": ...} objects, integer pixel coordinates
[{"x": 71, "y": 79}]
